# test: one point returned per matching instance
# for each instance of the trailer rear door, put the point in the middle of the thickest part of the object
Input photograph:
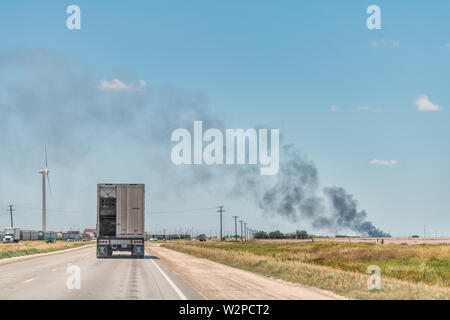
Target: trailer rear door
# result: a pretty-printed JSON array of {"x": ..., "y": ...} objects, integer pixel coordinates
[{"x": 130, "y": 217}]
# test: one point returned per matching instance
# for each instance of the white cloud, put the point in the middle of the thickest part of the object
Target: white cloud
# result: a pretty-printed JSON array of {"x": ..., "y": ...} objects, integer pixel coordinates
[
  {"x": 446, "y": 46},
  {"x": 383, "y": 162},
  {"x": 118, "y": 85},
  {"x": 424, "y": 104}
]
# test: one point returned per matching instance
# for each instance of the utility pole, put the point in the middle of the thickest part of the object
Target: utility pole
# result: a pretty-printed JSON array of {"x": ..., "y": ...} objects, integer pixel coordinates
[
  {"x": 245, "y": 231},
  {"x": 241, "y": 229},
  {"x": 10, "y": 212},
  {"x": 235, "y": 226},
  {"x": 221, "y": 211}
]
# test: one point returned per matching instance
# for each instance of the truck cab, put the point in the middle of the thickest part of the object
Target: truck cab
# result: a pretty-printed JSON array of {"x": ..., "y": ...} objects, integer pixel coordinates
[{"x": 8, "y": 238}]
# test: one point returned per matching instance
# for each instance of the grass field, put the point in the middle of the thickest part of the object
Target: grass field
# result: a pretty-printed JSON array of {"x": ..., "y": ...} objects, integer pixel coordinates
[
  {"x": 407, "y": 271},
  {"x": 24, "y": 248}
]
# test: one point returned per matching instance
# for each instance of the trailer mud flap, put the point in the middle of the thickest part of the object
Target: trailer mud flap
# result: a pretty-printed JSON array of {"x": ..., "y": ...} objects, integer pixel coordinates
[
  {"x": 138, "y": 250},
  {"x": 102, "y": 251}
]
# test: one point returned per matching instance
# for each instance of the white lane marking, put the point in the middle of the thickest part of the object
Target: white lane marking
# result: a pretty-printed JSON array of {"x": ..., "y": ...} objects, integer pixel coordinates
[
  {"x": 174, "y": 287},
  {"x": 29, "y": 280},
  {"x": 53, "y": 270}
]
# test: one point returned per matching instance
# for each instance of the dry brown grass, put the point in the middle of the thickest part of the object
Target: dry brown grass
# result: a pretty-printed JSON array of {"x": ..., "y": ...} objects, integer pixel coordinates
[
  {"x": 294, "y": 264},
  {"x": 23, "y": 248}
]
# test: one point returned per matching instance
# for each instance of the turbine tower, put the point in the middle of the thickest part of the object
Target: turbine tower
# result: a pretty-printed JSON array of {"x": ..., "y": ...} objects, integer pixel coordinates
[{"x": 44, "y": 173}]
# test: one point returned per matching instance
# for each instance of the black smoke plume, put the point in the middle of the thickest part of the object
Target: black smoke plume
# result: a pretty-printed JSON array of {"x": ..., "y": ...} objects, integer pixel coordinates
[
  {"x": 43, "y": 100},
  {"x": 295, "y": 195}
]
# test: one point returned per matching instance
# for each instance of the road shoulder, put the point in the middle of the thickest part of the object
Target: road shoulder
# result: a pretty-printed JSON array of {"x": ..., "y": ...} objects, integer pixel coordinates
[
  {"x": 216, "y": 281},
  {"x": 37, "y": 255}
]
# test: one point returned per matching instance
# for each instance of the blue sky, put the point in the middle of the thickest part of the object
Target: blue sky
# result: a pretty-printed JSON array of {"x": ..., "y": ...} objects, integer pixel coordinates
[{"x": 343, "y": 94}]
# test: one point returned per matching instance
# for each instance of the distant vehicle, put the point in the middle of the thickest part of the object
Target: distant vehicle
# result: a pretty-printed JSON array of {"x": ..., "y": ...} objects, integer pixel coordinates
[
  {"x": 70, "y": 240},
  {"x": 120, "y": 219},
  {"x": 11, "y": 235},
  {"x": 8, "y": 238},
  {"x": 202, "y": 238},
  {"x": 94, "y": 239},
  {"x": 50, "y": 240}
]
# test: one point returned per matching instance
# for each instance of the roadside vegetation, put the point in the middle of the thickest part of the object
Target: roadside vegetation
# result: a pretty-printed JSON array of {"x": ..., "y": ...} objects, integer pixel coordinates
[
  {"x": 407, "y": 271},
  {"x": 24, "y": 248},
  {"x": 277, "y": 234}
]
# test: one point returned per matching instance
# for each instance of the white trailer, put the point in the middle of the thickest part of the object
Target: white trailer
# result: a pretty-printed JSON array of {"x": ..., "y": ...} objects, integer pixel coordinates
[{"x": 120, "y": 219}]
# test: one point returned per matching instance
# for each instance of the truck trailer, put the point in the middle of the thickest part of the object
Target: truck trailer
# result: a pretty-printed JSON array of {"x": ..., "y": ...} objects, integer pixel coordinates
[
  {"x": 120, "y": 219},
  {"x": 11, "y": 235},
  {"x": 29, "y": 235}
]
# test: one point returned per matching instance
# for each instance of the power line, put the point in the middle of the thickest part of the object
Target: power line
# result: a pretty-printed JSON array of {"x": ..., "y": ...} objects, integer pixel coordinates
[
  {"x": 54, "y": 210},
  {"x": 151, "y": 212},
  {"x": 179, "y": 211}
]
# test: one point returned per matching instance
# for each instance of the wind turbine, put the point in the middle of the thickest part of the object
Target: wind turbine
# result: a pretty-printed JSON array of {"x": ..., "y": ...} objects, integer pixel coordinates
[{"x": 44, "y": 173}]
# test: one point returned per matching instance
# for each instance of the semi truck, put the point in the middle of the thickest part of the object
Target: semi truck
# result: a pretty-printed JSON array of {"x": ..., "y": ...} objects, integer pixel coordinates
[
  {"x": 120, "y": 219},
  {"x": 11, "y": 235}
]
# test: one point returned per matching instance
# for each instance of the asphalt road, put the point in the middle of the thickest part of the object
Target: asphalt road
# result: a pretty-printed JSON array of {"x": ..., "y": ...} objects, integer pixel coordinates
[{"x": 78, "y": 274}]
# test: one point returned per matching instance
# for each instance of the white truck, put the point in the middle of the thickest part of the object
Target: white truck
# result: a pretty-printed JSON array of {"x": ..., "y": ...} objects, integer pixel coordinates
[
  {"x": 11, "y": 235},
  {"x": 120, "y": 219}
]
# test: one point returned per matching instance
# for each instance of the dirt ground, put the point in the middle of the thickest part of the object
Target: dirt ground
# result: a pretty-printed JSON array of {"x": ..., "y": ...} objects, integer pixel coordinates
[{"x": 217, "y": 281}]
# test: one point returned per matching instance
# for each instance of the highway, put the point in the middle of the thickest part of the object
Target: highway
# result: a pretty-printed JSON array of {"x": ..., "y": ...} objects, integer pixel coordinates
[{"x": 56, "y": 276}]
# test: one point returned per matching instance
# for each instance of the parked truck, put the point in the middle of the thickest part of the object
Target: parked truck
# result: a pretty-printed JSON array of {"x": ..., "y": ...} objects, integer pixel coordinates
[
  {"x": 11, "y": 235},
  {"x": 120, "y": 219}
]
